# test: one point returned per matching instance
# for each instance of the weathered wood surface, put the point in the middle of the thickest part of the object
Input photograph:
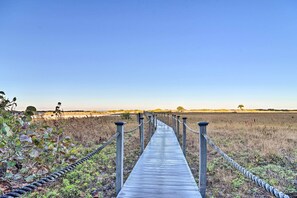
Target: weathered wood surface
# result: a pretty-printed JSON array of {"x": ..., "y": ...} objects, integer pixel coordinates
[{"x": 162, "y": 170}]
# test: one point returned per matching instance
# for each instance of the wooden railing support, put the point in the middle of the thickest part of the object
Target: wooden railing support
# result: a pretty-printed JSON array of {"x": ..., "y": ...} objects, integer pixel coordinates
[
  {"x": 172, "y": 124},
  {"x": 150, "y": 126},
  {"x": 156, "y": 123},
  {"x": 177, "y": 127},
  {"x": 119, "y": 156},
  {"x": 202, "y": 159},
  {"x": 141, "y": 135},
  {"x": 167, "y": 119},
  {"x": 184, "y": 136}
]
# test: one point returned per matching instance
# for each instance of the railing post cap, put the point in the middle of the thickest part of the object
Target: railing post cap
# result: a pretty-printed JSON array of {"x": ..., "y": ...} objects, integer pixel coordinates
[
  {"x": 178, "y": 116},
  {"x": 202, "y": 123},
  {"x": 149, "y": 116},
  {"x": 119, "y": 123},
  {"x": 184, "y": 118},
  {"x": 141, "y": 118}
]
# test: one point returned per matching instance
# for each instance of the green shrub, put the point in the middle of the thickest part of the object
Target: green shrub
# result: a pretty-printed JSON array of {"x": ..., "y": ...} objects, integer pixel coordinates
[
  {"x": 23, "y": 143},
  {"x": 126, "y": 116}
]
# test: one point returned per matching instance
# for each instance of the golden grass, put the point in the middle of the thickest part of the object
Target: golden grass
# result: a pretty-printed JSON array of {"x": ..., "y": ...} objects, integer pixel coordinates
[{"x": 253, "y": 140}]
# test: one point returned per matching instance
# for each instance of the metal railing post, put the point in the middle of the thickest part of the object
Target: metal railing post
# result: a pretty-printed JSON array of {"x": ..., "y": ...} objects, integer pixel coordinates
[
  {"x": 177, "y": 127},
  {"x": 202, "y": 159},
  {"x": 119, "y": 156},
  {"x": 150, "y": 126},
  {"x": 141, "y": 135},
  {"x": 184, "y": 136}
]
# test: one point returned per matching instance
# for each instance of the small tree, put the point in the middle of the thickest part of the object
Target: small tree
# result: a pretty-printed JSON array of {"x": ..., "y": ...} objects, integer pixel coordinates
[
  {"x": 241, "y": 106},
  {"x": 180, "y": 109},
  {"x": 5, "y": 103},
  {"x": 58, "y": 111}
]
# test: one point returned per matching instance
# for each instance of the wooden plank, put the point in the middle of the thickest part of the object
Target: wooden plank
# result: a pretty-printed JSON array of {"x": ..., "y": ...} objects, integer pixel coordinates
[{"x": 162, "y": 170}]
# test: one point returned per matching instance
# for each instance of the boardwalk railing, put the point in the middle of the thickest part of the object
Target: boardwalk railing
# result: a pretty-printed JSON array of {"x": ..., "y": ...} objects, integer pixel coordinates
[
  {"x": 118, "y": 136},
  {"x": 174, "y": 121}
]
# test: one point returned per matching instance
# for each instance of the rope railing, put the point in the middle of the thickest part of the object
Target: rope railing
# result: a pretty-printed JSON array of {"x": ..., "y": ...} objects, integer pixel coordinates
[
  {"x": 204, "y": 140},
  {"x": 54, "y": 176},
  {"x": 147, "y": 122},
  {"x": 245, "y": 172},
  {"x": 192, "y": 130},
  {"x": 134, "y": 129}
]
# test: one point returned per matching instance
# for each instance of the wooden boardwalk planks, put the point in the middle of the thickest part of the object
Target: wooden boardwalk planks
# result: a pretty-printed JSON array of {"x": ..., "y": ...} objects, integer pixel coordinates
[{"x": 162, "y": 170}]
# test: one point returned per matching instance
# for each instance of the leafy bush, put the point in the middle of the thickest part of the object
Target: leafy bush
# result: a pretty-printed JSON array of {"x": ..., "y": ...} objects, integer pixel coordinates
[{"x": 28, "y": 150}]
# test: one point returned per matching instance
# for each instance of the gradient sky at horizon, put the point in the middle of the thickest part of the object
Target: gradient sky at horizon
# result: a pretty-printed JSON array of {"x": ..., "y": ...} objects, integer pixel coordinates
[{"x": 97, "y": 55}]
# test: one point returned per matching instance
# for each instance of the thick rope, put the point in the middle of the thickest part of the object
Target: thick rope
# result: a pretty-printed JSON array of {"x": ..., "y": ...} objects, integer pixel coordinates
[
  {"x": 52, "y": 177},
  {"x": 147, "y": 122},
  {"x": 245, "y": 172},
  {"x": 134, "y": 129},
  {"x": 192, "y": 130}
]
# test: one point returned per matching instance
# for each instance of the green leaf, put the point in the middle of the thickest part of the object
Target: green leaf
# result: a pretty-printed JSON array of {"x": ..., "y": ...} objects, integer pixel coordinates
[
  {"x": 24, "y": 170},
  {"x": 11, "y": 164},
  {"x": 17, "y": 176},
  {"x": 25, "y": 138},
  {"x": 34, "y": 153},
  {"x": 28, "y": 118},
  {"x": 2, "y": 144},
  {"x": 6, "y": 130},
  {"x": 30, "y": 178},
  {"x": 21, "y": 121},
  {"x": 8, "y": 175},
  {"x": 45, "y": 136}
]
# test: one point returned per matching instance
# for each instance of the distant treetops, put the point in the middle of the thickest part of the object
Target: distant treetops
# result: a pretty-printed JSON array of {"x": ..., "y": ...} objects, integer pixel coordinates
[
  {"x": 241, "y": 106},
  {"x": 180, "y": 109}
]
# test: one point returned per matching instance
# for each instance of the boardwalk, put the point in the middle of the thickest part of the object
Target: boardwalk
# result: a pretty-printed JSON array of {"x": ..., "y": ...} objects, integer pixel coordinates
[{"x": 162, "y": 170}]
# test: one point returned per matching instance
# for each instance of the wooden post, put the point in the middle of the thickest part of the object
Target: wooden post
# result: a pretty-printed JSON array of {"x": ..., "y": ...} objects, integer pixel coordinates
[
  {"x": 184, "y": 136},
  {"x": 202, "y": 159},
  {"x": 150, "y": 126},
  {"x": 119, "y": 156},
  {"x": 156, "y": 122},
  {"x": 138, "y": 117},
  {"x": 168, "y": 119},
  {"x": 173, "y": 123},
  {"x": 141, "y": 135},
  {"x": 177, "y": 127}
]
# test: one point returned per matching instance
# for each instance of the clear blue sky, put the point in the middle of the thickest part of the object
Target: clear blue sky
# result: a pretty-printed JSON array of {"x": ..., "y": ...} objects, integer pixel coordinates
[{"x": 149, "y": 54}]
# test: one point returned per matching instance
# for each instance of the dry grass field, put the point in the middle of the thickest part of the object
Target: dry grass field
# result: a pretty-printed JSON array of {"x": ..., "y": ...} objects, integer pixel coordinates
[{"x": 265, "y": 143}]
